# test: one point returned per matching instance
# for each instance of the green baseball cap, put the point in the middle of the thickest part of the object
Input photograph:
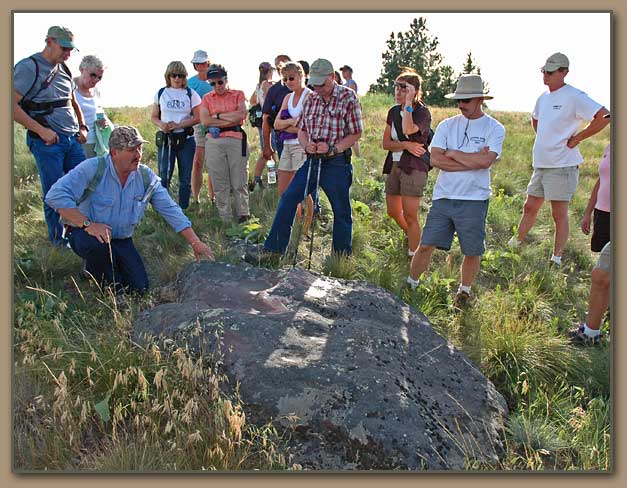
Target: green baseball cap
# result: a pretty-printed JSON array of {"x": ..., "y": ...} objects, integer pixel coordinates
[
  {"x": 320, "y": 69},
  {"x": 63, "y": 35}
]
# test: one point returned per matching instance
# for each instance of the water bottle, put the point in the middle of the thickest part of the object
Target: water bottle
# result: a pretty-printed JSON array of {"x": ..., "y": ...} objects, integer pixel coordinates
[
  {"x": 100, "y": 116},
  {"x": 271, "y": 173}
]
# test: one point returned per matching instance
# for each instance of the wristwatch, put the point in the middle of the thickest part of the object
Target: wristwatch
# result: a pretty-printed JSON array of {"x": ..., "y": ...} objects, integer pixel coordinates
[
  {"x": 86, "y": 224},
  {"x": 409, "y": 108},
  {"x": 331, "y": 152},
  {"x": 83, "y": 126}
]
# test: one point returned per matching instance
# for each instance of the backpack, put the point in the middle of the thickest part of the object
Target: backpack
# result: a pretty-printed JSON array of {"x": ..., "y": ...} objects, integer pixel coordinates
[
  {"x": 43, "y": 108},
  {"x": 189, "y": 94},
  {"x": 254, "y": 118}
]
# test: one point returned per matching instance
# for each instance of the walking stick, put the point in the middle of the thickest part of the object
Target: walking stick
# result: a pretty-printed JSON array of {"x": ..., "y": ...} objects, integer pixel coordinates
[
  {"x": 315, "y": 204},
  {"x": 304, "y": 202}
]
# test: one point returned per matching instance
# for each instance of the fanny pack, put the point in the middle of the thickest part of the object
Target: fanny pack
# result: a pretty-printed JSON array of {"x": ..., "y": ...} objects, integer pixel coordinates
[
  {"x": 175, "y": 139},
  {"x": 237, "y": 128}
]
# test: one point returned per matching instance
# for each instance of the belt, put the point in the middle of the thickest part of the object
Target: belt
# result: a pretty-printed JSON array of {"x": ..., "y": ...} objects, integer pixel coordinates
[
  {"x": 237, "y": 128},
  {"x": 346, "y": 153}
]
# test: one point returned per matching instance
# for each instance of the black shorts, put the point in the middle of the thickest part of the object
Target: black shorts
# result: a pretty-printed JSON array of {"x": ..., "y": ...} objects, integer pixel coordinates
[{"x": 601, "y": 230}]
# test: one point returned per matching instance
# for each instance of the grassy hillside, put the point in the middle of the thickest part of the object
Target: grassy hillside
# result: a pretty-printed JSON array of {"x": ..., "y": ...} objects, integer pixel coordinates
[{"x": 87, "y": 397}]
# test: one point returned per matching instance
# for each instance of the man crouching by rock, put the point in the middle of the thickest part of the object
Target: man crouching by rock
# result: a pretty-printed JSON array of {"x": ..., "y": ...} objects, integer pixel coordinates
[{"x": 101, "y": 202}]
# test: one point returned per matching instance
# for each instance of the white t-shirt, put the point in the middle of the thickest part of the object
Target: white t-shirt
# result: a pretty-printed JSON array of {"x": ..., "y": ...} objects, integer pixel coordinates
[
  {"x": 174, "y": 105},
  {"x": 90, "y": 106},
  {"x": 559, "y": 115},
  {"x": 469, "y": 136}
]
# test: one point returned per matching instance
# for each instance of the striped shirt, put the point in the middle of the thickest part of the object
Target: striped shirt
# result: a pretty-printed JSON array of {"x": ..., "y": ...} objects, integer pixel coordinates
[{"x": 331, "y": 121}]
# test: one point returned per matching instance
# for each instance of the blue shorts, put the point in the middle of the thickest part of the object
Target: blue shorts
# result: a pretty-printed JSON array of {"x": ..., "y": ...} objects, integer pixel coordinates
[{"x": 466, "y": 217}]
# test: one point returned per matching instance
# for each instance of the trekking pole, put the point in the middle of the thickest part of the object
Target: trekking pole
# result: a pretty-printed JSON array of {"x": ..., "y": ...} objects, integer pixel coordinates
[
  {"x": 304, "y": 202},
  {"x": 170, "y": 162},
  {"x": 316, "y": 192}
]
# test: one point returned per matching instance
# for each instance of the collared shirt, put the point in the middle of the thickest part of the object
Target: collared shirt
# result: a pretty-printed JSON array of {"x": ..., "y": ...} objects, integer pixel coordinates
[
  {"x": 229, "y": 102},
  {"x": 119, "y": 207},
  {"x": 331, "y": 121}
]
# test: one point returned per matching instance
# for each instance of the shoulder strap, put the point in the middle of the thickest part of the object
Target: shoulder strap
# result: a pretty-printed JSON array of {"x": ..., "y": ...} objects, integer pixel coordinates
[
  {"x": 189, "y": 94},
  {"x": 35, "y": 79},
  {"x": 66, "y": 69},
  {"x": 398, "y": 122},
  {"x": 159, "y": 98},
  {"x": 93, "y": 184},
  {"x": 146, "y": 177}
]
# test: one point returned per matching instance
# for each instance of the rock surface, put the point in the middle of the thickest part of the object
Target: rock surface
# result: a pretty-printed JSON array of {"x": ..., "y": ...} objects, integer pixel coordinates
[{"x": 372, "y": 386}]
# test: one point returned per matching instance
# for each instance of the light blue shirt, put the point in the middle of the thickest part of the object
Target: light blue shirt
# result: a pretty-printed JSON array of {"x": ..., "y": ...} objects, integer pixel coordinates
[
  {"x": 121, "y": 208},
  {"x": 199, "y": 86}
]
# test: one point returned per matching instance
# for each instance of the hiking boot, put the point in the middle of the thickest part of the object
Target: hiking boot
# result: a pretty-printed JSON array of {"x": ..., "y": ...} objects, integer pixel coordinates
[
  {"x": 462, "y": 299},
  {"x": 578, "y": 337},
  {"x": 261, "y": 255},
  {"x": 412, "y": 283}
]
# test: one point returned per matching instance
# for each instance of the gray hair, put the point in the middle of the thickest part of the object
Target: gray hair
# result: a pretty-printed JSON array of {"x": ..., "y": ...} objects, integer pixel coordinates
[{"x": 91, "y": 61}]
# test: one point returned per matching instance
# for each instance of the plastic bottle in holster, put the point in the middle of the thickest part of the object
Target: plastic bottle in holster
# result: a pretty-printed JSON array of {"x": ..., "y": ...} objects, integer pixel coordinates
[{"x": 271, "y": 173}]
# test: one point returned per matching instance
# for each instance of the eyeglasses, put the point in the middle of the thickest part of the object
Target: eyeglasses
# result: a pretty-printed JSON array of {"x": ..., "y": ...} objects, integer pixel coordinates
[
  {"x": 177, "y": 75},
  {"x": 400, "y": 86},
  {"x": 219, "y": 82},
  {"x": 464, "y": 100},
  {"x": 289, "y": 78},
  {"x": 95, "y": 76}
]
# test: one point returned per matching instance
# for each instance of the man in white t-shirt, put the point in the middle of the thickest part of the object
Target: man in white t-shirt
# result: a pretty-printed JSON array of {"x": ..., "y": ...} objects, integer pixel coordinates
[
  {"x": 556, "y": 158},
  {"x": 463, "y": 148}
]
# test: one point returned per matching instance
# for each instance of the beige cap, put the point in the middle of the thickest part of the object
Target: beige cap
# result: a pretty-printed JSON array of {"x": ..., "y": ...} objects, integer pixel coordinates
[
  {"x": 469, "y": 86},
  {"x": 124, "y": 137},
  {"x": 555, "y": 61},
  {"x": 320, "y": 69}
]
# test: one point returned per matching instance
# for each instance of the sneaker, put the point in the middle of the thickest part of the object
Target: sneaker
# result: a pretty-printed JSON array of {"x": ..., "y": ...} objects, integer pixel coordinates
[
  {"x": 462, "y": 299},
  {"x": 412, "y": 283},
  {"x": 261, "y": 255},
  {"x": 578, "y": 337},
  {"x": 514, "y": 242}
]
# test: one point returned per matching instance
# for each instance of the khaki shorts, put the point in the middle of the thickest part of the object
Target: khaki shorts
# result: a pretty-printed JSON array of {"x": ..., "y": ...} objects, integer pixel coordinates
[
  {"x": 407, "y": 185},
  {"x": 554, "y": 183},
  {"x": 199, "y": 136},
  {"x": 605, "y": 258},
  {"x": 292, "y": 157}
]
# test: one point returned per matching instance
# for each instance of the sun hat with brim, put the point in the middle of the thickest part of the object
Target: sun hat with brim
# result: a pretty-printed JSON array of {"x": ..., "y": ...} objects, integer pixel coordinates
[
  {"x": 63, "y": 35},
  {"x": 124, "y": 137},
  {"x": 469, "y": 86},
  {"x": 555, "y": 62},
  {"x": 200, "y": 56},
  {"x": 319, "y": 71}
]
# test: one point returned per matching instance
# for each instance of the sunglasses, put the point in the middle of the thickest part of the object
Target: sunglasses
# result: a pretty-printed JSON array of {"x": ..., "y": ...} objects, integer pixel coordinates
[
  {"x": 400, "y": 86},
  {"x": 177, "y": 75},
  {"x": 464, "y": 100},
  {"x": 219, "y": 82},
  {"x": 547, "y": 72},
  {"x": 95, "y": 76},
  {"x": 289, "y": 78},
  {"x": 317, "y": 87}
]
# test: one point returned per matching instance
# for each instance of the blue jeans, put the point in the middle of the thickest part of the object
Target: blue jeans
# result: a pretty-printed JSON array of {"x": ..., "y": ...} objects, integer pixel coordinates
[
  {"x": 53, "y": 162},
  {"x": 184, "y": 154},
  {"x": 125, "y": 268},
  {"x": 336, "y": 177}
]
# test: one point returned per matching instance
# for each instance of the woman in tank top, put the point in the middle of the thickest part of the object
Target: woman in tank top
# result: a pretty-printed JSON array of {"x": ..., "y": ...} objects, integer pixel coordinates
[
  {"x": 258, "y": 97},
  {"x": 88, "y": 97}
]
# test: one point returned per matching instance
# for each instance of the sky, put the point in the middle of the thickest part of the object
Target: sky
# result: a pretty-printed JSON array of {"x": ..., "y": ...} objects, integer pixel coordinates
[{"x": 509, "y": 48}]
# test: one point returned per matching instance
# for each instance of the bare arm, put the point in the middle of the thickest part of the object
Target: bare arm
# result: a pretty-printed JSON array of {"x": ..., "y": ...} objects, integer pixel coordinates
[
  {"x": 407, "y": 117},
  {"x": 587, "y": 213},
  {"x": 534, "y": 124},
  {"x": 441, "y": 161},
  {"x": 283, "y": 124},
  {"x": 597, "y": 124},
  {"x": 189, "y": 122},
  {"x": 102, "y": 232},
  {"x": 155, "y": 118},
  {"x": 479, "y": 160},
  {"x": 388, "y": 144},
  {"x": 199, "y": 247},
  {"x": 268, "y": 151}
]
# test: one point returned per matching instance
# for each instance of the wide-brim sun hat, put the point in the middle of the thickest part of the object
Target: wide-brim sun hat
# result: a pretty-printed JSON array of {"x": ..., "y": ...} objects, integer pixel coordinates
[
  {"x": 200, "y": 56},
  {"x": 469, "y": 86}
]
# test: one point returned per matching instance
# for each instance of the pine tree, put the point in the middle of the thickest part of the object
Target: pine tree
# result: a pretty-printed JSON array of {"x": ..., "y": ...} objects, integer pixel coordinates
[
  {"x": 471, "y": 68},
  {"x": 417, "y": 49}
]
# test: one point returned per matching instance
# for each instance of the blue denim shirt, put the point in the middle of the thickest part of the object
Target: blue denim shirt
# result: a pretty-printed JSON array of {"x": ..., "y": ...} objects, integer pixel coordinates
[{"x": 110, "y": 203}]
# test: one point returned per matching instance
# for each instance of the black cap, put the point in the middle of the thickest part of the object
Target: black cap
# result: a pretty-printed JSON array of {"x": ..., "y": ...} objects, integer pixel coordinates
[
  {"x": 216, "y": 71},
  {"x": 346, "y": 67}
]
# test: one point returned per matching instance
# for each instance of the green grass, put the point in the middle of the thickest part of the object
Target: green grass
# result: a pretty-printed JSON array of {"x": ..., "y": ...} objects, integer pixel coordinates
[{"x": 88, "y": 398}]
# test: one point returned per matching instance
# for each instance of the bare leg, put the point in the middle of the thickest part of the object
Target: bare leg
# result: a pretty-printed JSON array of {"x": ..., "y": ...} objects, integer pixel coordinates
[
  {"x": 530, "y": 212},
  {"x": 420, "y": 261},
  {"x": 411, "y": 208},
  {"x": 560, "y": 217},
  {"x": 197, "y": 165},
  {"x": 599, "y": 298},
  {"x": 394, "y": 204},
  {"x": 470, "y": 269}
]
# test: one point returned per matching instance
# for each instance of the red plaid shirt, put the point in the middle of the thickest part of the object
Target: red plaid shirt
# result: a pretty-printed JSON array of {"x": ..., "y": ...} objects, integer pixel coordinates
[{"x": 331, "y": 121}]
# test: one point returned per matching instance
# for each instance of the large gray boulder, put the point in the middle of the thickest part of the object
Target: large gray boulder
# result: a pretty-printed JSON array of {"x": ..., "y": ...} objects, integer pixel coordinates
[{"x": 360, "y": 376}]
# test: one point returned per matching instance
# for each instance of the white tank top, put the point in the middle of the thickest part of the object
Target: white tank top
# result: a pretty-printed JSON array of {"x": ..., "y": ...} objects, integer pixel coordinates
[
  {"x": 89, "y": 107},
  {"x": 295, "y": 111}
]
